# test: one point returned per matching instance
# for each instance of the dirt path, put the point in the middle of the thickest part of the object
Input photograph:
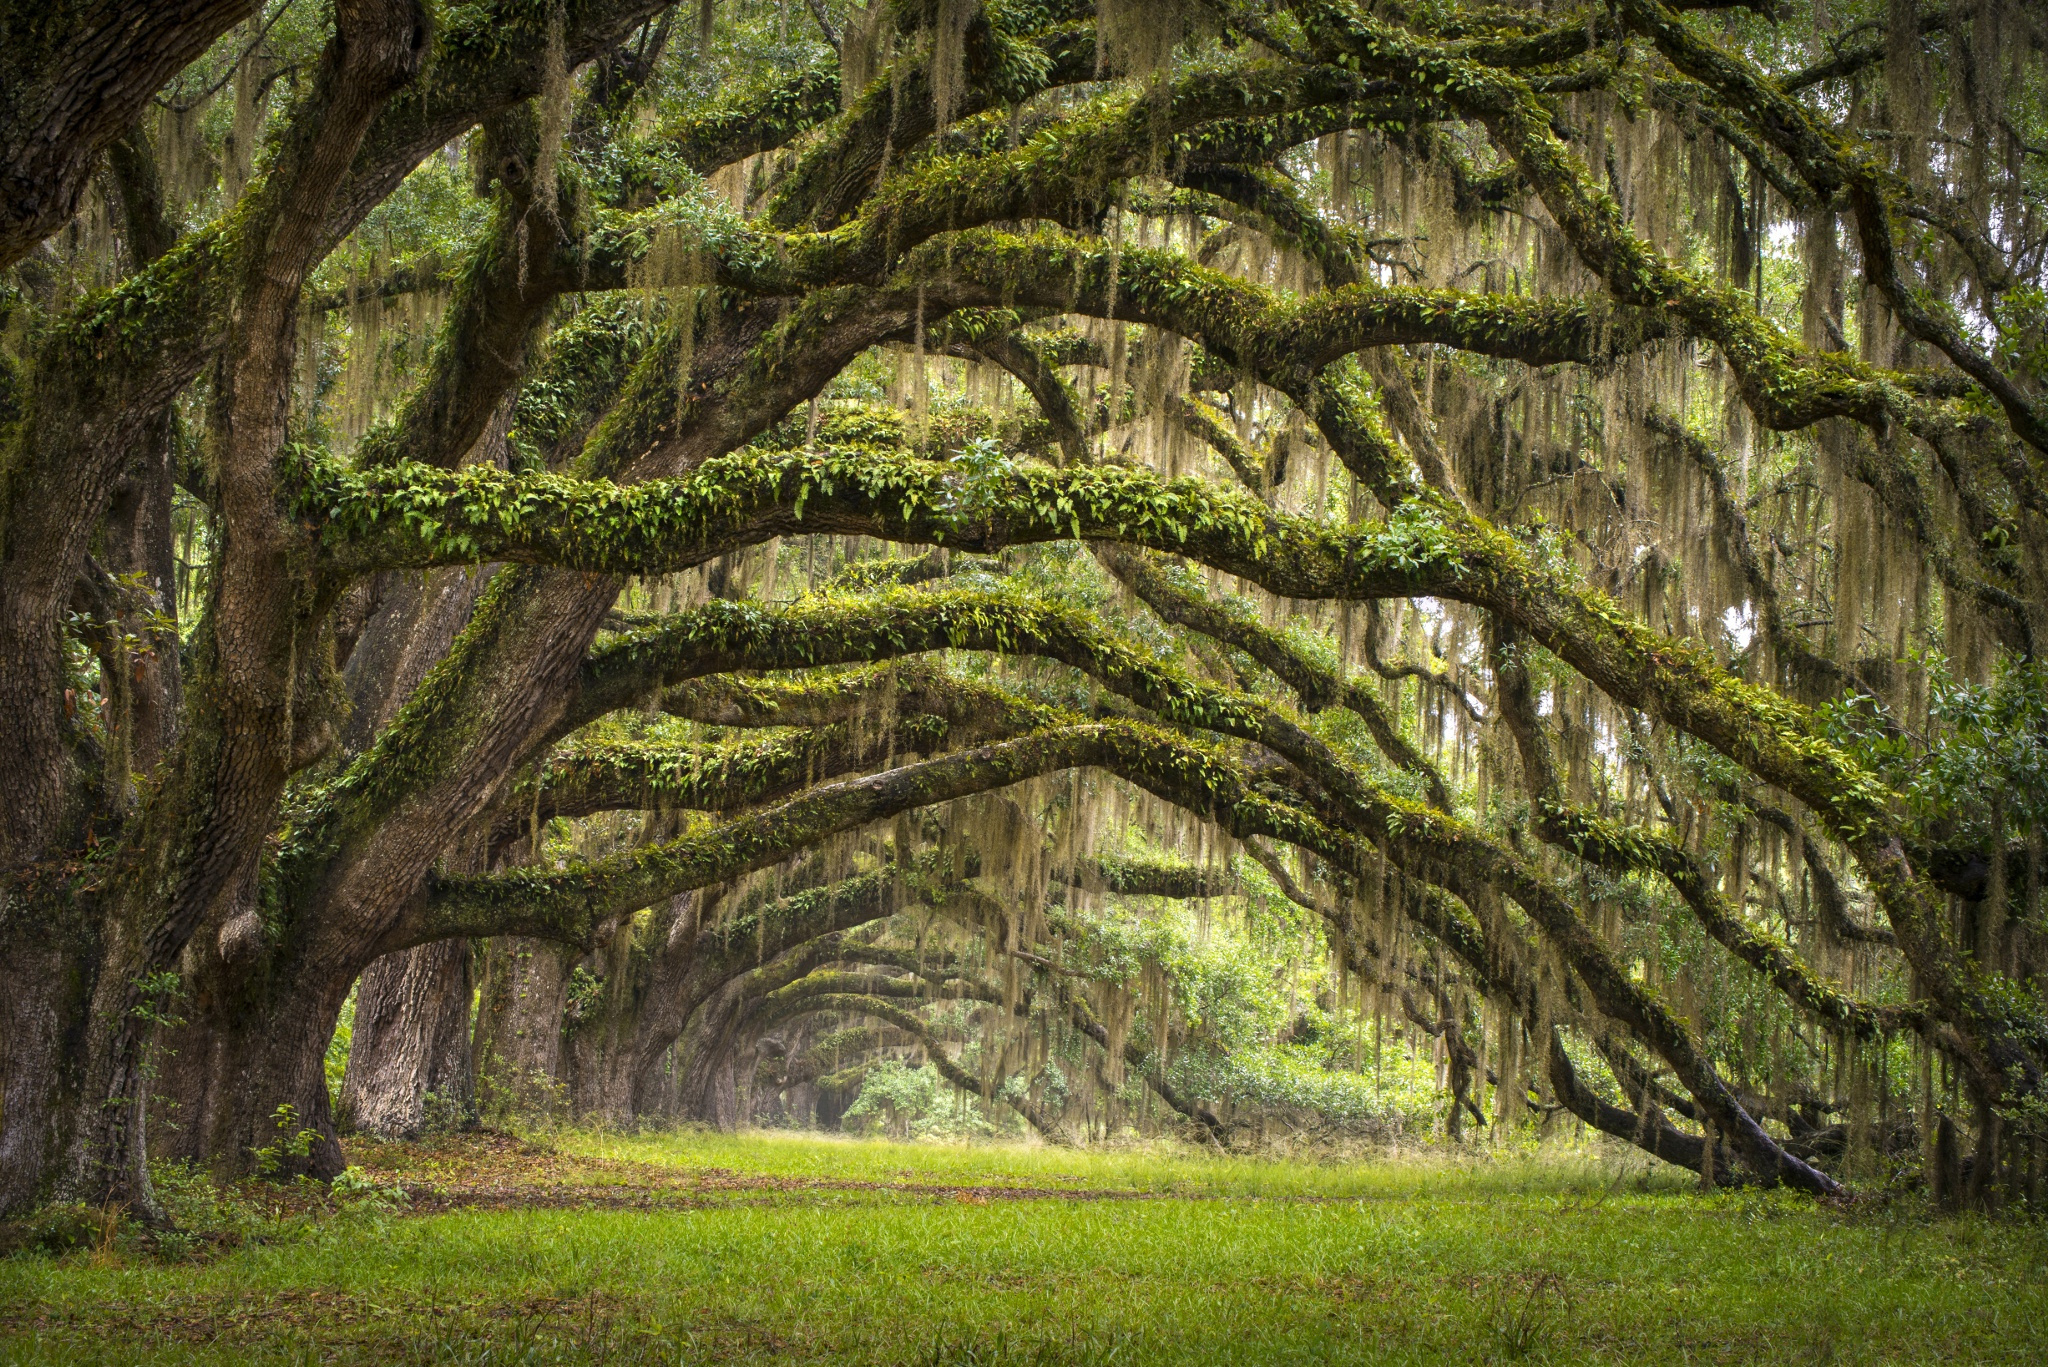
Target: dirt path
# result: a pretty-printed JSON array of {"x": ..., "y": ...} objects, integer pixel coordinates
[{"x": 501, "y": 1172}]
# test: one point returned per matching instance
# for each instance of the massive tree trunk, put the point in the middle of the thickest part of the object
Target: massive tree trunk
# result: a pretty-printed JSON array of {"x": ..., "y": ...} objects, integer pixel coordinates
[
  {"x": 409, "y": 1060},
  {"x": 706, "y": 1086},
  {"x": 616, "y": 1043},
  {"x": 597, "y": 1045},
  {"x": 246, "y": 1072},
  {"x": 523, "y": 986},
  {"x": 265, "y": 634},
  {"x": 521, "y": 661},
  {"x": 45, "y": 988},
  {"x": 76, "y": 75},
  {"x": 657, "y": 1096},
  {"x": 240, "y": 976},
  {"x": 269, "y": 1060}
]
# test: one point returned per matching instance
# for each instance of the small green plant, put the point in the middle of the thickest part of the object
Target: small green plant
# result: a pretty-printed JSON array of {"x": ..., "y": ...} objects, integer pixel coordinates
[
  {"x": 585, "y": 990},
  {"x": 59, "y": 1228},
  {"x": 506, "y": 1095},
  {"x": 159, "y": 993},
  {"x": 176, "y": 1246},
  {"x": 201, "y": 1215},
  {"x": 292, "y": 1143},
  {"x": 1527, "y": 1312},
  {"x": 441, "y": 1114},
  {"x": 355, "y": 1189}
]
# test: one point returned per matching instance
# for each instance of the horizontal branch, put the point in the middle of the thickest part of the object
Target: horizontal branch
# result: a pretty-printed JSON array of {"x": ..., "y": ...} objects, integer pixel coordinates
[
  {"x": 407, "y": 516},
  {"x": 1317, "y": 686},
  {"x": 599, "y": 775},
  {"x": 1831, "y": 164},
  {"x": 1784, "y": 385},
  {"x": 1147, "y": 878},
  {"x": 569, "y": 904}
]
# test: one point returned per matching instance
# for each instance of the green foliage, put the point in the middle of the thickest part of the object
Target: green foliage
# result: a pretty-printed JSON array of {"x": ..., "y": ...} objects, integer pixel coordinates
[
  {"x": 588, "y": 358},
  {"x": 56, "y": 1229},
  {"x": 893, "y": 1098},
  {"x": 437, "y": 516},
  {"x": 1992, "y": 753},
  {"x": 585, "y": 992},
  {"x": 292, "y": 1144},
  {"x": 2023, "y": 332},
  {"x": 356, "y": 1189}
]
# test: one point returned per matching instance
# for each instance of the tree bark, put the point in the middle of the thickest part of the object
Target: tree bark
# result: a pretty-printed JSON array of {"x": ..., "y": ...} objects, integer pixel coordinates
[
  {"x": 523, "y": 987},
  {"x": 417, "y": 619},
  {"x": 412, "y": 1042},
  {"x": 254, "y": 1042},
  {"x": 73, "y": 77},
  {"x": 705, "y": 1087},
  {"x": 44, "y": 992}
]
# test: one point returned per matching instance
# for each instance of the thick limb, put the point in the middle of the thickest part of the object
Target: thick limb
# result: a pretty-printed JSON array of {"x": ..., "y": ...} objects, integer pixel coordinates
[
  {"x": 235, "y": 758},
  {"x": 1316, "y": 686},
  {"x": 75, "y": 77},
  {"x": 1633, "y": 849}
]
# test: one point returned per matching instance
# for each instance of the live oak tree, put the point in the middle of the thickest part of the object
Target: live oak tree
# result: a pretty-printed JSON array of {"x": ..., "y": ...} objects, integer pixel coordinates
[{"x": 1561, "y": 487}]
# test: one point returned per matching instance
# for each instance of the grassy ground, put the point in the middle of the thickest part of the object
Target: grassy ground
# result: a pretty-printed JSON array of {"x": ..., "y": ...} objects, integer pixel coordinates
[{"x": 683, "y": 1249}]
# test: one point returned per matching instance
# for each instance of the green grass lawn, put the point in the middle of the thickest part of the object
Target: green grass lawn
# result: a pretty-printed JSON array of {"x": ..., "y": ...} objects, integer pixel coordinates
[{"x": 697, "y": 1248}]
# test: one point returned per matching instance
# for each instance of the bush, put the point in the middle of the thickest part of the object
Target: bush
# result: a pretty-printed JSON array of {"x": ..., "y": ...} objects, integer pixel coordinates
[
  {"x": 63, "y": 1227},
  {"x": 892, "y": 1099},
  {"x": 357, "y": 1190}
]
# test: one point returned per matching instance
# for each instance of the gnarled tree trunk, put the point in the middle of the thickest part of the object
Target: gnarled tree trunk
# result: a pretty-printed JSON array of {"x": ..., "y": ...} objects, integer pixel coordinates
[{"x": 409, "y": 1060}]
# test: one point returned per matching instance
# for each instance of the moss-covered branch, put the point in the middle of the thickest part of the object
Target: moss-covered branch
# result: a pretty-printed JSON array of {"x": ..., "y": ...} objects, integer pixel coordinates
[
  {"x": 1783, "y": 385},
  {"x": 1146, "y": 878},
  {"x": 1205, "y": 423},
  {"x": 1623, "y": 849},
  {"x": 504, "y": 292},
  {"x": 1647, "y": 1130},
  {"x": 418, "y": 517},
  {"x": 872, "y": 695},
  {"x": 1015, "y": 352},
  {"x": 1007, "y": 56},
  {"x": 590, "y": 775},
  {"x": 1423, "y": 843},
  {"x": 702, "y": 141},
  {"x": 1084, "y": 1019},
  {"x": 1833, "y": 165},
  {"x": 1317, "y": 686},
  {"x": 573, "y": 902}
]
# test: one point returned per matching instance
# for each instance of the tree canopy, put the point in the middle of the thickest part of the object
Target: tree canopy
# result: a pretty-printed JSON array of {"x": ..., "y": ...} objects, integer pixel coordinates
[{"x": 828, "y": 521}]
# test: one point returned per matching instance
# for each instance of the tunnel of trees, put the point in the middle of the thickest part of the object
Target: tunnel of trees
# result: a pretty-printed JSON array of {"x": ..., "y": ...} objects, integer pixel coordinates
[{"x": 677, "y": 561}]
